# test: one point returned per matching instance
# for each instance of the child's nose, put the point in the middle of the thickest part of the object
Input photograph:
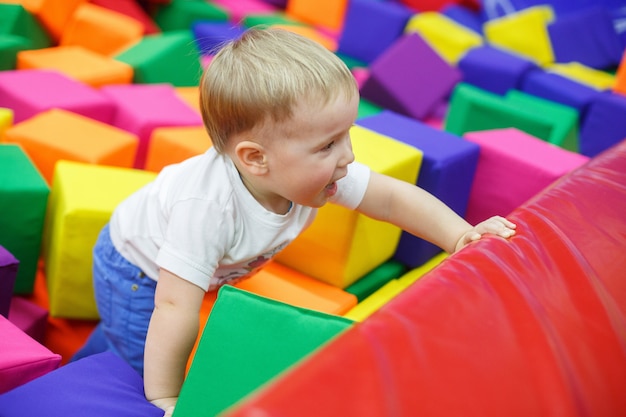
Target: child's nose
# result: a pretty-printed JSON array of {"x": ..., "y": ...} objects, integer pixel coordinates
[{"x": 347, "y": 156}]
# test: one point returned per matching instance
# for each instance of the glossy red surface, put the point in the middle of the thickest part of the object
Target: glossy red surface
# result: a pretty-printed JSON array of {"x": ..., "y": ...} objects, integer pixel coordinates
[{"x": 530, "y": 326}]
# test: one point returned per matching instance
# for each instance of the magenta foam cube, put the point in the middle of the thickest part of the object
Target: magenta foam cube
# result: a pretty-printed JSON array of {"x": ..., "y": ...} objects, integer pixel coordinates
[
  {"x": 22, "y": 359},
  {"x": 143, "y": 107},
  {"x": 31, "y": 91},
  {"x": 8, "y": 273},
  {"x": 29, "y": 318},
  {"x": 410, "y": 78},
  {"x": 513, "y": 166}
]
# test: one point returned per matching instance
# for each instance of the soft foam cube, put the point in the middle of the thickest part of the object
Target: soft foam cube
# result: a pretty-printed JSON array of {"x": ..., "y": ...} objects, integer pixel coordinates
[
  {"x": 78, "y": 63},
  {"x": 23, "y": 201},
  {"x": 180, "y": 15},
  {"x": 359, "y": 41},
  {"x": 513, "y": 167},
  {"x": 281, "y": 283},
  {"x": 238, "y": 10},
  {"x": 170, "y": 145},
  {"x": 473, "y": 109},
  {"x": 29, "y": 317},
  {"x": 82, "y": 199},
  {"x": 410, "y": 78},
  {"x": 375, "y": 279},
  {"x": 57, "y": 134},
  {"x": 209, "y": 36},
  {"x": 448, "y": 38},
  {"x": 29, "y": 92},
  {"x": 22, "y": 359},
  {"x": 8, "y": 272},
  {"x": 232, "y": 361},
  {"x": 101, "y": 30},
  {"x": 603, "y": 126},
  {"x": 18, "y": 21},
  {"x": 328, "y": 14},
  {"x": 524, "y": 32},
  {"x": 101, "y": 385},
  {"x": 169, "y": 57},
  {"x": 587, "y": 36},
  {"x": 52, "y": 14},
  {"x": 447, "y": 172},
  {"x": 342, "y": 245},
  {"x": 598, "y": 79},
  {"x": 144, "y": 107},
  {"x": 494, "y": 69},
  {"x": 131, "y": 9},
  {"x": 465, "y": 16},
  {"x": 559, "y": 89},
  {"x": 6, "y": 121},
  {"x": 390, "y": 289}
]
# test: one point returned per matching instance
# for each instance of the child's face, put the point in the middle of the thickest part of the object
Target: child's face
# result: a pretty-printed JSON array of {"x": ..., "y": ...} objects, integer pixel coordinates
[{"x": 313, "y": 152}]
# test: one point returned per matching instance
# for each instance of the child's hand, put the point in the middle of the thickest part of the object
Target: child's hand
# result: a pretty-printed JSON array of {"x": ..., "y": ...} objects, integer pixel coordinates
[
  {"x": 495, "y": 225},
  {"x": 166, "y": 404}
]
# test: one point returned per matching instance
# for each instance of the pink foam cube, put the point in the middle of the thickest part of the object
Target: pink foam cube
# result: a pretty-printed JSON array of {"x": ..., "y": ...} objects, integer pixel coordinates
[
  {"x": 141, "y": 108},
  {"x": 22, "y": 359},
  {"x": 31, "y": 91},
  {"x": 513, "y": 166},
  {"x": 29, "y": 318}
]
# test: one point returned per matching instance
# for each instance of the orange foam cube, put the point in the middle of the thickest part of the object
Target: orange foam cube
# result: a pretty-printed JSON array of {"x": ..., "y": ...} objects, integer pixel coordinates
[
  {"x": 281, "y": 283},
  {"x": 101, "y": 30},
  {"x": 78, "y": 63},
  {"x": 58, "y": 134},
  {"x": 170, "y": 145},
  {"x": 326, "y": 13},
  {"x": 53, "y": 14}
]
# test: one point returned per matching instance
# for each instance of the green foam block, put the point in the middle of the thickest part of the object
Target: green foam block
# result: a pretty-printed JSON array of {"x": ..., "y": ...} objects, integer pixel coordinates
[{"x": 247, "y": 341}]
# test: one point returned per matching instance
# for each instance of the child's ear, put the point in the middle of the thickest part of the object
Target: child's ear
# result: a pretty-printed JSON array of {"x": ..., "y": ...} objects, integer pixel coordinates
[{"x": 252, "y": 157}]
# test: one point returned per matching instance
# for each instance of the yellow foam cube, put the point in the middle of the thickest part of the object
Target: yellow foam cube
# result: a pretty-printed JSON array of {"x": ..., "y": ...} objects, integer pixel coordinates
[
  {"x": 376, "y": 300},
  {"x": 600, "y": 80},
  {"x": 384, "y": 294},
  {"x": 82, "y": 199},
  {"x": 6, "y": 121},
  {"x": 342, "y": 245},
  {"x": 448, "y": 38},
  {"x": 524, "y": 32}
]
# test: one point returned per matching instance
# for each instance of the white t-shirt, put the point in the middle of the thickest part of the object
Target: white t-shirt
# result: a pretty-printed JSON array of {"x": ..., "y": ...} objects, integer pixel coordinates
[{"x": 199, "y": 221}]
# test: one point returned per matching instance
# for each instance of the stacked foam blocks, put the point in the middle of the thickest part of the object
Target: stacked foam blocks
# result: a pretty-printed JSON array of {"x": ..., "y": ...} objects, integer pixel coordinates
[{"x": 486, "y": 104}]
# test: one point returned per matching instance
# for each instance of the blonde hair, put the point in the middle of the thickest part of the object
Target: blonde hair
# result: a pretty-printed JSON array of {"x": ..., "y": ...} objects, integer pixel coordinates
[{"x": 262, "y": 75}]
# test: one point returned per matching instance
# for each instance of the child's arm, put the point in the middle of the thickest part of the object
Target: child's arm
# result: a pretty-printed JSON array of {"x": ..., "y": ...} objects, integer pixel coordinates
[
  {"x": 171, "y": 335},
  {"x": 420, "y": 213}
]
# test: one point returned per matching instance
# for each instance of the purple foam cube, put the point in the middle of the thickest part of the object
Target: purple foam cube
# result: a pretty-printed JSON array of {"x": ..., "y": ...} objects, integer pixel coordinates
[
  {"x": 587, "y": 37},
  {"x": 494, "y": 69},
  {"x": 410, "y": 78},
  {"x": 604, "y": 124},
  {"x": 100, "y": 385},
  {"x": 8, "y": 273},
  {"x": 30, "y": 91},
  {"x": 464, "y": 16},
  {"x": 560, "y": 89},
  {"x": 141, "y": 108},
  {"x": 447, "y": 172},
  {"x": 211, "y": 35},
  {"x": 370, "y": 27}
]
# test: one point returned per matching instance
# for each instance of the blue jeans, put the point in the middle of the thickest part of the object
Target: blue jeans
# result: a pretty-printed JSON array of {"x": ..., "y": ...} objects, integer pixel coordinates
[{"x": 125, "y": 300}]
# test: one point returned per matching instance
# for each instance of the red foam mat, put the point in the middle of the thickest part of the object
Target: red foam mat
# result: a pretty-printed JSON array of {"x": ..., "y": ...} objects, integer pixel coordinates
[{"x": 531, "y": 326}]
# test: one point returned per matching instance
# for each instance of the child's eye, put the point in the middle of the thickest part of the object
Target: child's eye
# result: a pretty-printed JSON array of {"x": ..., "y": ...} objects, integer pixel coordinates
[{"x": 330, "y": 145}]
